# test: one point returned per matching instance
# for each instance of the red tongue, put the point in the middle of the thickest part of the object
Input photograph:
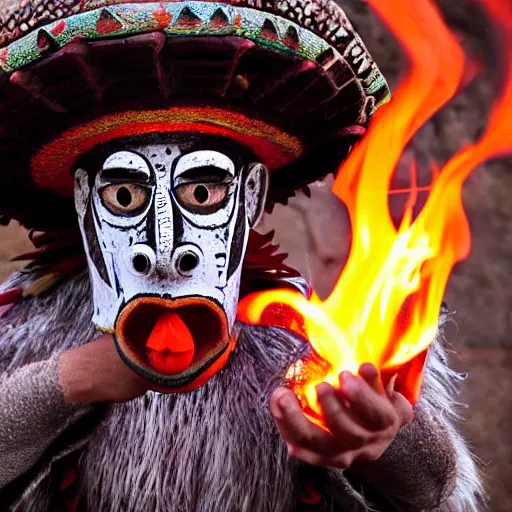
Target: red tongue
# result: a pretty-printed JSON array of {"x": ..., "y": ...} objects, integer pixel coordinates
[{"x": 170, "y": 345}]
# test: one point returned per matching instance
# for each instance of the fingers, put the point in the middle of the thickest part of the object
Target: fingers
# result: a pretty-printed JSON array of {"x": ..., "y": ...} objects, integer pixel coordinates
[
  {"x": 339, "y": 419},
  {"x": 362, "y": 418},
  {"x": 369, "y": 373},
  {"x": 296, "y": 429},
  {"x": 403, "y": 408},
  {"x": 374, "y": 410},
  {"x": 337, "y": 460},
  {"x": 390, "y": 388}
]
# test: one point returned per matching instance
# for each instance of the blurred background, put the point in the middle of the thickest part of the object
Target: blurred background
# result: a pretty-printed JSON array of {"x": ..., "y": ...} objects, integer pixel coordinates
[{"x": 315, "y": 233}]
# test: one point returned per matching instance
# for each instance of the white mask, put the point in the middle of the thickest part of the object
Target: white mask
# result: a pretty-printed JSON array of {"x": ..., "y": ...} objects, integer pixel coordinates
[{"x": 165, "y": 224}]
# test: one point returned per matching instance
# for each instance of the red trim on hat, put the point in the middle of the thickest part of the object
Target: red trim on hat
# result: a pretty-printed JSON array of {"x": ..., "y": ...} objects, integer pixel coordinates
[{"x": 51, "y": 167}]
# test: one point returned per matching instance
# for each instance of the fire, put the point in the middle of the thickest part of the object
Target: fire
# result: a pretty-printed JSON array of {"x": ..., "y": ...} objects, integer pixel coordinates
[{"x": 385, "y": 305}]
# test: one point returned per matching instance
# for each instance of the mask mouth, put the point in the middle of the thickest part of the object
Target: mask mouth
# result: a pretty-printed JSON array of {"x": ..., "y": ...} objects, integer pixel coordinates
[{"x": 177, "y": 344}]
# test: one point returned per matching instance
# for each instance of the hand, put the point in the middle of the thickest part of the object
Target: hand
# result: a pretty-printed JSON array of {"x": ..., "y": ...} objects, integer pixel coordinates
[
  {"x": 363, "y": 418},
  {"x": 94, "y": 372}
]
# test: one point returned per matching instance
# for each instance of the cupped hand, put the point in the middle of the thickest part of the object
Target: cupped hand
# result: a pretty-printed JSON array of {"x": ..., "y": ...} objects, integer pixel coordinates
[
  {"x": 362, "y": 418},
  {"x": 95, "y": 372}
]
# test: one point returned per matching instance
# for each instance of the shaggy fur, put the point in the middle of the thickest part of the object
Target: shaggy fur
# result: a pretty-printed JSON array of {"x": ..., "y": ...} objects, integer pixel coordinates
[
  {"x": 210, "y": 450},
  {"x": 216, "y": 448},
  {"x": 439, "y": 392}
]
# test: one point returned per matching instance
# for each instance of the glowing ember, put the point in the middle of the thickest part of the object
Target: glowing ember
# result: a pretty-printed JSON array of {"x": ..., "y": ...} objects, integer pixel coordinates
[{"x": 384, "y": 308}]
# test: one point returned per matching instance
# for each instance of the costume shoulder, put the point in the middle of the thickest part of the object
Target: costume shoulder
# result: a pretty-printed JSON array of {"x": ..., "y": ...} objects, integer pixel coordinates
[
  {"x": 440, "y": 404},
  {"x": 37, "y": 321}
]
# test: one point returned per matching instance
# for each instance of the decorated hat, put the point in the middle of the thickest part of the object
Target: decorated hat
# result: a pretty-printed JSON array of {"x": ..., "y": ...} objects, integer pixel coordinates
[{"x": 290, "y": 80}]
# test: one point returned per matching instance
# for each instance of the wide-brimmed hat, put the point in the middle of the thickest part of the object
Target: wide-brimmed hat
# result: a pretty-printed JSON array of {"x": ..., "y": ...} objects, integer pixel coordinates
[{"x": 291, "y": 80}]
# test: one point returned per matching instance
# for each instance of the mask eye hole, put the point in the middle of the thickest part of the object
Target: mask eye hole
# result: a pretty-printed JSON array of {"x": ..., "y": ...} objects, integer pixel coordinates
[
  {"x": 201, "y": 194},
  {"x": 202, "y": 197},
  {"x": 125, "y": 198}
]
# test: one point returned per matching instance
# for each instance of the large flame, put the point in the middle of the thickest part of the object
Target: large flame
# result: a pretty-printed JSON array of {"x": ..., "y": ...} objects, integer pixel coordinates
[{"x": 385, "y": 306}]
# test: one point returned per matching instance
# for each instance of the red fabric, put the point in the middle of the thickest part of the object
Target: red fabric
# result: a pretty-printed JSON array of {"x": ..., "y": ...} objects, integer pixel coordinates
[
  {"x": 8, "y": 299},
  {"x": 310, "y": 495},
  {"x": 51, "y": 166},
  {"x": 68, "y": 478},
  {"x": 67, "y": 485},
  {"x": 11, "y": 296}
]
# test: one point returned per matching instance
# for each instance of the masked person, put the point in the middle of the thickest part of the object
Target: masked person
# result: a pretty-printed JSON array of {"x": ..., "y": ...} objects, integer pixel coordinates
[{"x": 170, "y": 128}]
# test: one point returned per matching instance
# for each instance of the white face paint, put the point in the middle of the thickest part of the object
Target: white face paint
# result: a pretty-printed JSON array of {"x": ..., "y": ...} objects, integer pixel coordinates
[{"x": 167, "y": 221}]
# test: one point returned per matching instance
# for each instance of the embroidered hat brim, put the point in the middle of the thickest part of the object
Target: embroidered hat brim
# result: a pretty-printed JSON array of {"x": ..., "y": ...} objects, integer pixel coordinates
[{"x": 290, "y": 80}]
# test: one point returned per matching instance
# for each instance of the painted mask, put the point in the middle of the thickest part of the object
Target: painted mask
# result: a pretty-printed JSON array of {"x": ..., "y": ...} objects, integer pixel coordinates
[{"x": 165, "y": 221}]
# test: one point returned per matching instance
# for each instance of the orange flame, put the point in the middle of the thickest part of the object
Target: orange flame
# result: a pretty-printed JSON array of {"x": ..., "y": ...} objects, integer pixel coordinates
[{"x": 384, "y": 307}]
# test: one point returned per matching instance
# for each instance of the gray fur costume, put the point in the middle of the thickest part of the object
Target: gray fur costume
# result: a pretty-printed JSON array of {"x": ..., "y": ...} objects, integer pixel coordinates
[{"x": 212, "y": 450}]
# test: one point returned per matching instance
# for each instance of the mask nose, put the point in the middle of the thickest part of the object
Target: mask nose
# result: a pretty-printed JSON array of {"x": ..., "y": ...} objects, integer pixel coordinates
[
  {"x": 186, "y": 259},
  {"x": 142, "y": 260}
]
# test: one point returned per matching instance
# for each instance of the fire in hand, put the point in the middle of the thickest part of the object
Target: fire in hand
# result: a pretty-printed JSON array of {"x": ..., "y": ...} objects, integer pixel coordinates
[{"x": 385, "y": 306}]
